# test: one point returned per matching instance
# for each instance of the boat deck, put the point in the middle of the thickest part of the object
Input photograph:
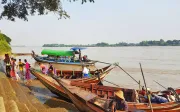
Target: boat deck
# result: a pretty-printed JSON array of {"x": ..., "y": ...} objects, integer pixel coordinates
[{"x": 78, "y": 91}]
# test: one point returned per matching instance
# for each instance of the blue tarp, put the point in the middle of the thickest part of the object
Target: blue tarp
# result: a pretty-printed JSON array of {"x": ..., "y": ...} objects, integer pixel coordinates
[{"x": 77, "y": 48}]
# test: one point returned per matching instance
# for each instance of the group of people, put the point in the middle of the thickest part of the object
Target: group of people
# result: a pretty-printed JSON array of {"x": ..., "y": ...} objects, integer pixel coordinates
[
  {"x": 47, "y": 70},
  {"x": 16, "y": 70},
  {"x": 119, "y": 102},
  {"x": 156, "y": 98},
  {"x": 64, "y": 58},
  {"x": 50, "y": 70},
  {"x": 81, "y": 58}
]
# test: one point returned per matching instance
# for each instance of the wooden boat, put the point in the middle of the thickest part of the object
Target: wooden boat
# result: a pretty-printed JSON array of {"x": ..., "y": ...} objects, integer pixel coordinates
[
  {"x": 68, "y": 73},
  {"x": 88, "y": 101},
  {"x": 64, "y": 61},
  {"x": 54, "y": 87}
]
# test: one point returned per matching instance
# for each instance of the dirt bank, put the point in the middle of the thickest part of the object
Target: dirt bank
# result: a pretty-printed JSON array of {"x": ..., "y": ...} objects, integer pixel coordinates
[{"x": 35, "y": 97}]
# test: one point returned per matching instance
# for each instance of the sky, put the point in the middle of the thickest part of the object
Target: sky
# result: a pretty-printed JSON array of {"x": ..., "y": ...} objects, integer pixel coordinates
[{"x": 110, "y": 21}]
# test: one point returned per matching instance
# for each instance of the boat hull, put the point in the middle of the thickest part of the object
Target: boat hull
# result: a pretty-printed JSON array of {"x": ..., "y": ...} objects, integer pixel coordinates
[
  {"x": 82, "y": 104},
  {"x": 54, "y": 87},
  {"x": 86, "y": 105}
]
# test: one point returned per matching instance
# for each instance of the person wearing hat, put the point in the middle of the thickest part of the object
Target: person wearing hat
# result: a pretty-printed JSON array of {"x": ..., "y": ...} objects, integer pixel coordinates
[{"x": 119, "y": 102}]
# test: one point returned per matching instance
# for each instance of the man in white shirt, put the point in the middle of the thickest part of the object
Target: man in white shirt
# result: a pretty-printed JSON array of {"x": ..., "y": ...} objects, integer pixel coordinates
[{"x": 85, "y": 72}]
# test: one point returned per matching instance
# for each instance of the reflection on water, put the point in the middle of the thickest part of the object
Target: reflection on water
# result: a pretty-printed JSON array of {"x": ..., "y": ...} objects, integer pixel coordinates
[{"x": 159, "y": 63}]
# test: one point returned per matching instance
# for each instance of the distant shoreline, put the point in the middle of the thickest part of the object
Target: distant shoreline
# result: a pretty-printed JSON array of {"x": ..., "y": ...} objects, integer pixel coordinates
[
  {"x": 161, "y": 42},
  {"x": 106, "y": 46}
]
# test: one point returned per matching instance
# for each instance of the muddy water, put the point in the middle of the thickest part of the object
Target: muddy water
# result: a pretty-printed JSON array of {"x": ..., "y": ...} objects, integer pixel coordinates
[
  {"x": 161, "y": 64},
  {"x": 49, "y": 99}
]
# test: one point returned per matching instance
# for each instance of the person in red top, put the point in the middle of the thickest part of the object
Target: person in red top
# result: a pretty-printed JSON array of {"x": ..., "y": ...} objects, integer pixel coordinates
[
  {"x": 143, "y": 91},
  {"x": 13, "y": 65}
]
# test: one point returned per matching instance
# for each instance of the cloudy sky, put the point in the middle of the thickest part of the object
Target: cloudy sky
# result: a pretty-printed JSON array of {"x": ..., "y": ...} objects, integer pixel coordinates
[{"x": 109, "y": 21}]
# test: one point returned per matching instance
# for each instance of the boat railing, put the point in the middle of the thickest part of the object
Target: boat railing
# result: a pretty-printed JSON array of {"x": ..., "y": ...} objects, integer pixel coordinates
[{"x": 104, "y": 91}]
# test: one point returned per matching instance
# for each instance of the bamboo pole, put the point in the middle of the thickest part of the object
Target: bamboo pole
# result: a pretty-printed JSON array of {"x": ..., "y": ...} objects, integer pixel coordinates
[
  {"x": 120, "y": 68},
  {"x": 160, "y": 84},
  {"x": 147, "y": 93}
]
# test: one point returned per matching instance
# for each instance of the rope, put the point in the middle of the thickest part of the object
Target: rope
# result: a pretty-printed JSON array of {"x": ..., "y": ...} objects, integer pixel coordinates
[
  {"x": 111, "y": 83},
  {"x": 117, "y": 64}
]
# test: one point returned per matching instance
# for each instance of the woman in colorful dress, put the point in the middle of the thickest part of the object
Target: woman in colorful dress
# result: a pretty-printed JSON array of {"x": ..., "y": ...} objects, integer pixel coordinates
[
  {"x": 27, "y": 74},
  {"x": 13, "y": 65}
]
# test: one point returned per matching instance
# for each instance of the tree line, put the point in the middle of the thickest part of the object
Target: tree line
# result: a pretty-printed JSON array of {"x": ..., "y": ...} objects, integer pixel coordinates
[{"x": 161, "y": 42}]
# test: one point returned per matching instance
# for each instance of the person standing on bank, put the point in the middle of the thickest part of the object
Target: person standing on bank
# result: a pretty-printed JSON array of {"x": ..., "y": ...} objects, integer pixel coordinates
[
  {"x": 13, "y": 65},
  {"x": 21, "y": 70},
  {"x": 16, "y": 71},
  {"x": 7, "y": 65},
  {"x": 27, "y": 74}
]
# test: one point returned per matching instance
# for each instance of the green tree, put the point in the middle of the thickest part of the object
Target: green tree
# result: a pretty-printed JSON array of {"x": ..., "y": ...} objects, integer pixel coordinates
[
  {"x": 144, "y": 43},
  {"x": 22, "y": 8},
  {"x": 8, "y": 40},
  {"x": 4, "y": 46},
  {"x": 161, "y": 42}
]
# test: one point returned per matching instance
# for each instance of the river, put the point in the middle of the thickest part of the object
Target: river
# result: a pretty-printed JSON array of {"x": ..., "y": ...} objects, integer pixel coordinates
[{"x": 161, "y": 64}]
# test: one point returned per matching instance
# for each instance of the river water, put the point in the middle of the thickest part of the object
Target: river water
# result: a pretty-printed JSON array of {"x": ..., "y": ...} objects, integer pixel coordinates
[{"x": 161, "y": 64}]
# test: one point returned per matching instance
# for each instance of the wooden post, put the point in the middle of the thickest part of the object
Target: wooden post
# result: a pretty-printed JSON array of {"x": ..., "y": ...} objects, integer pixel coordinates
[
  {"x": 139, "y": 86},
  {"x": 147, "y": 93},
  {"x": 139, "y": 90},
  {"x": 73, "y": 72},
  {"x": 61, "y": 72}
]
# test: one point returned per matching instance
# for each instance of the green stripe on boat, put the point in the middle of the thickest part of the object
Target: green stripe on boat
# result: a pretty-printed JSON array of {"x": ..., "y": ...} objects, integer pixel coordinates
[{"x": 56, "y": 52}]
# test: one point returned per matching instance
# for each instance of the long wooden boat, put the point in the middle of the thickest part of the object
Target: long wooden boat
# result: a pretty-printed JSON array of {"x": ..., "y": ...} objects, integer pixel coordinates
[
  {"x": 54, "y": 87},
  {"x": 60, "y": 61},
  {"x": 87, "y": 101}
]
